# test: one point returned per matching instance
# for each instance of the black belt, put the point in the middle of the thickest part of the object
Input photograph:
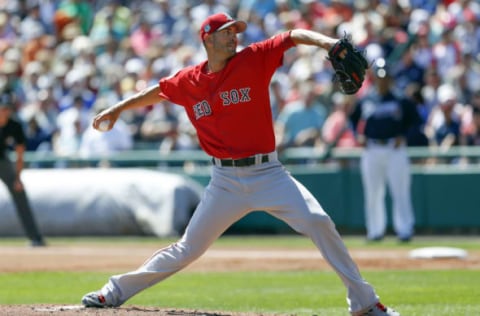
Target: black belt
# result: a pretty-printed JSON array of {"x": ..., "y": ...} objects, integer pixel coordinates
[{"x": 242, "y": 162}]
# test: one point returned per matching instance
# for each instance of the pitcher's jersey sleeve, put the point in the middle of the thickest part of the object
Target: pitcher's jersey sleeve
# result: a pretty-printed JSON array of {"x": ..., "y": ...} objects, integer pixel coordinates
[{"x": 230, "y": 109}]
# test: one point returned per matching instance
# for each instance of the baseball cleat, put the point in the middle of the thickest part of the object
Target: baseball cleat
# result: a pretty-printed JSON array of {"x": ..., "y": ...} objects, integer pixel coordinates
[
  {"x": 379, "y": 310},
  {"x": 38, "y": 243},
  {"x": 94, "y": 299}
]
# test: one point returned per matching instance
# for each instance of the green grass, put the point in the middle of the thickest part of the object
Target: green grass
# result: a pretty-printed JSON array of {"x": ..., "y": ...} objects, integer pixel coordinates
[
  {"x": 419, "y": 293},
  {"x": 414, "y": 293}
]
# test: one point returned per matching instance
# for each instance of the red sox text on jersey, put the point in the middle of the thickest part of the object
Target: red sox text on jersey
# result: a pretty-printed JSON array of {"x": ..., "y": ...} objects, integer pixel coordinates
[{"x": 233, "y": 96}]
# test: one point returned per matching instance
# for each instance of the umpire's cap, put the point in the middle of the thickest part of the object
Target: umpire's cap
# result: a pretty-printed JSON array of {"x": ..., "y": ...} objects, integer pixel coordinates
[{"x": 220, "y": 21}]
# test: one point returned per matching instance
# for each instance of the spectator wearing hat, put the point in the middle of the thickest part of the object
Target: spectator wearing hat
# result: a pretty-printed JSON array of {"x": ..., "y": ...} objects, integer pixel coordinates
[
  {"x": 443, "y": 124},
  {"x": 12, "y": 134}
]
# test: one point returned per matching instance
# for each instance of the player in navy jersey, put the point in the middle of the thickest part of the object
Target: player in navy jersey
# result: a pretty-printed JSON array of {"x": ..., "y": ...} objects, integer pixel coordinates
[{"x": 382, "y": 120}]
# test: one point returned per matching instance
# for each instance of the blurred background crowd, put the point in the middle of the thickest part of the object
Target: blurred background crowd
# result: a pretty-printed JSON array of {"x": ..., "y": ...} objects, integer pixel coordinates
[{"x": 65, "y": 60}]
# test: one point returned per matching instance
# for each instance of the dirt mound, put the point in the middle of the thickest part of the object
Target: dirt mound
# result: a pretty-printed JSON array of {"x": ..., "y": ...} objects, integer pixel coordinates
[{"x": 76, "y": 310}]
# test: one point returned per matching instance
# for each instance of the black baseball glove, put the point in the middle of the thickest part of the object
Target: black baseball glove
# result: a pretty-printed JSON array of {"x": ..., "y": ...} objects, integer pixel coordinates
[{"x": 349, "y": 64}]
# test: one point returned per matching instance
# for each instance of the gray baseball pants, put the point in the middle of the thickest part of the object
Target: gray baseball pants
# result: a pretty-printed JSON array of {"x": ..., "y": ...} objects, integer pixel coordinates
[{"x": 232, "y": 193}]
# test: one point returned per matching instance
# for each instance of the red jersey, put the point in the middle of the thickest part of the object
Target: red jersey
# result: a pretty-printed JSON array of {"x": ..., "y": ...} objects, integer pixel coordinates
[{"x": 230, "y": 109}]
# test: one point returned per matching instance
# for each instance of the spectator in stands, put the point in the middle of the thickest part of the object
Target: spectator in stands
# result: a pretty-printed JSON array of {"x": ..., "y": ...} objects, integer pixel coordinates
[
  {"x": 443, "y": 125},
  {"x": 416, "y": 133},
  {"x": 8, "y": 36},
  {"x": 37, "y": 138},
  {"x": 95, "y": 144},
  {"x": 142, "y": 37},
  {"x": 200, "y": 10},
  {"x": 422, "y": 50},
  {"x": 430, "y": 89},
  {"x": 406, "y": 70},
  {"x": 96, "y": 35},
  {"x": 337, "y": 130},
  {"x": 446, "y": 52},
  {"x": 247, "y": 8},
  {"x": 166, "y": 18},
  {"x": 112, "y": 21},
  {"x": 160, "y": 122},
  {"x": 256, "y": 32},
  {"x": 278, "y": 94},
  {"x": 71, "y": 124},
  {"x": 80, "y": 11},
  {"x": 184, "y": 27},
  {"x": 473, "y": 137},
  {"x": 30, "y": 80},
  {"x": 77, "y": 90},
  {"x": 11, "y": 74},
  {"x": 300, "y": 122},
  {"x": 10, "y": 174},
  {"x": 32, "y": 25},
  {"x": 470, "y": 128},
  {"x": 467, "y": 77},
  {"x": 274, "y": 21},
  {"x": 44, "y": 112}
]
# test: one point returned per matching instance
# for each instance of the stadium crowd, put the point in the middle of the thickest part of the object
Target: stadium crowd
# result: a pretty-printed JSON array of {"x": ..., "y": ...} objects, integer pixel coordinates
[{"x": 65, "y": 60}]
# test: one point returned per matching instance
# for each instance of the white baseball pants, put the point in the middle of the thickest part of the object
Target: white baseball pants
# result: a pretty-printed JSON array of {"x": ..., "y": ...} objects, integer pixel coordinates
[
  {"x": 232, "y": 193},
  {"x": 383, "y": 165}
]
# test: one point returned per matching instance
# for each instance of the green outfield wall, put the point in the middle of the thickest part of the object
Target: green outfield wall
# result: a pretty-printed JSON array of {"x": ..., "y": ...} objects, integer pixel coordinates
[
  {"x": 445, "y": 199},
  {"x": 446, "y": 196}
]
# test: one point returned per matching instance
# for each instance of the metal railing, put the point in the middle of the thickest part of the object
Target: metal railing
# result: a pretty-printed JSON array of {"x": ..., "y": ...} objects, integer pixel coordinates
[{"x": 179, "y": 158}]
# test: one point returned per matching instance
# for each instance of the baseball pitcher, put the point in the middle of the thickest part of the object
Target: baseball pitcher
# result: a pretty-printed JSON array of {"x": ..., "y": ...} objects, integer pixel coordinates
[{"x": 226, "y": 98}]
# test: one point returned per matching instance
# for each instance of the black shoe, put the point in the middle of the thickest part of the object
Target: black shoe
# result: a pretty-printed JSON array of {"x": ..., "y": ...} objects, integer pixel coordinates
[
  {"x": 38, "y": 243},
  {"x": 405, "y": 239},
  {"x": 375, "y": 239}
]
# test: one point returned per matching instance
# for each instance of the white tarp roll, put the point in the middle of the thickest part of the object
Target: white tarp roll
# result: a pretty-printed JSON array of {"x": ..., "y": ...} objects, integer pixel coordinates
[{"x": 90, "y": 201}]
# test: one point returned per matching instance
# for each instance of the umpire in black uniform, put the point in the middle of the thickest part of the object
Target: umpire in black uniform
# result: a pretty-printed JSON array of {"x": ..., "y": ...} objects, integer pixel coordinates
[{"x": 12, "y": 135}]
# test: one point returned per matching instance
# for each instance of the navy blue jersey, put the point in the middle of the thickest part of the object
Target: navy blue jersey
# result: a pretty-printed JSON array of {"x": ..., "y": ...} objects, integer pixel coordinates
[{"x": 385, "y": 116}]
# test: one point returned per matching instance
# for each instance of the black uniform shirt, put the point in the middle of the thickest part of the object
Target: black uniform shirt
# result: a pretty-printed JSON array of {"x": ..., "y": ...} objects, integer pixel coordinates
[{"x": 10, "y": 134}]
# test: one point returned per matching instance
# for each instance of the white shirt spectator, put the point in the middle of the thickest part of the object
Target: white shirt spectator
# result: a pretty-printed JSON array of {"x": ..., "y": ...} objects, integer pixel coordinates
[{"x": 95, "y": 143}]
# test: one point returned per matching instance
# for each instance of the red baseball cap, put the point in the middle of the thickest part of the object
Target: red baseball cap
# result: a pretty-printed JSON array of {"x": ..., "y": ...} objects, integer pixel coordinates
[{"x": 220, "y": 21}]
